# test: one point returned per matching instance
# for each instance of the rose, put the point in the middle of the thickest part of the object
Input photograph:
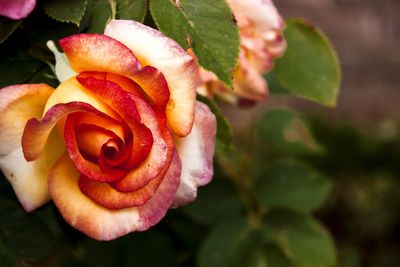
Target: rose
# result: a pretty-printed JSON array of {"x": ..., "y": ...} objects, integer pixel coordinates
[
  {"x": 261, "y": 41},
  {"x": 119, "y": 143},
  {"x": 16, "y": 9}
]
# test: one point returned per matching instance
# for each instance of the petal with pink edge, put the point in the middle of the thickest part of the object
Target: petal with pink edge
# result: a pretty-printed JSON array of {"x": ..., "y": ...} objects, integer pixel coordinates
[
  {"x": 101, "y": 223},
  {"x": 19, "y": 103},
  {"x": 98, "y": 52},
  {"x": 155, "y": 49},
  {"x": 196, "y": 151},
  {"x": 29, "y": 179}
]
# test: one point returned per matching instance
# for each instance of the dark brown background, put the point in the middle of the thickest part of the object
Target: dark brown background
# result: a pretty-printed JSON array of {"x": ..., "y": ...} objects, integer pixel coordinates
[{"x": 366, "y": 34}]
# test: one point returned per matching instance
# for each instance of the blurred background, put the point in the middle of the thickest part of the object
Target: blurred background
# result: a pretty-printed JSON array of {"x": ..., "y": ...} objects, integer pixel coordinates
[{"x": 360, "y": 136}]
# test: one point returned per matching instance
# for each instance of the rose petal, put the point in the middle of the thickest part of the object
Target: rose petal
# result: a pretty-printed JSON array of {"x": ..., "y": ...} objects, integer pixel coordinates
[
  {"x": 29, "y": 179},
  {"x": 83, "y": 165},
  {"x": 122, "y": 103},
  {"x": 157, "y": 157},
  {"x": 36, "y": 132},
  {"x": 155, "y": 209},
  {"x": 154, "y": 84},
  {"x": 97, "y": 52},
  {"x": 81, "y": 212},
  {"x": 153, "y": 48},
  {"x": 16, "y": 9},
  {"x": 248, "y": 83},
  {"x": 262, "y": 12},
  {"x": 19, "y": 103},
  {"x": 101, "y": 223},
  {"x": 72, "y": 91},
  {"x": 196, "y": 152}
]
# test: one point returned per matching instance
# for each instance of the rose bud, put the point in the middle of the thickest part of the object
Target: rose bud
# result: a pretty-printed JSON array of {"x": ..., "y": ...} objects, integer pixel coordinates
[{"x": 16, "y": 9}]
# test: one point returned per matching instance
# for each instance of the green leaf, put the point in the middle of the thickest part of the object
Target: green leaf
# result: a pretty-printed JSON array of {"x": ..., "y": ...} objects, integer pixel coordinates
[
  {"x": 305, "y": 241},
  {"x": 309, "y": 67},
  {"x": 215, "y": 202},
  {"x": 287, "y": 132},
  {"x": 291, "y": 184},
  {"x": 229, "y": 244},
  {"x": 131, "y": 9},
  {"x": 235, "y": 243},
  {"x": 7, "y": 27},
  {"x": 66, "y": 11},
  {"x": 98, "y": 13},
  {"x": 22, "y": 234},
  {"x": 206, "y": 26},
  {"x": 21, "y": 71},
  {"x": 224, "y": 129}
]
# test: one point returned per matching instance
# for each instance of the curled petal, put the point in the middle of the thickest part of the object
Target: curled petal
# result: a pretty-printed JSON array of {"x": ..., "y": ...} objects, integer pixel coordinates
[
  {"x": 98, "y": 52},
  {"x": 151, "y": 167},
  {"x": 19, "y": 103},
  {"x": 154, "y": 84},
  {"x": 99, "y": 222},
  {"x": 16, "y": 9},
  {"x": 123, "y": 104},
  {"x": 155, "y": 49},
  {"x": 196, "y": 152},
  {"x": 37, "y": 131}
]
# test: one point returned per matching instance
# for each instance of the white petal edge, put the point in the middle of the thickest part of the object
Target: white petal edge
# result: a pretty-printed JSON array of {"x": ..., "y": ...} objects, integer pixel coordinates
[
  {"x": 196, "y": 152},
  {"x": 29, "y": 179}
]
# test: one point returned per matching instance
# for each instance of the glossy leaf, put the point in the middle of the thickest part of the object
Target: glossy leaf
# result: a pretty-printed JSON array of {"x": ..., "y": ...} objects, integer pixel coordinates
[
  {"x": 66, "y": 11},
  {"x": 205, "y": 26},
  {"x": 309, "y": 67}
]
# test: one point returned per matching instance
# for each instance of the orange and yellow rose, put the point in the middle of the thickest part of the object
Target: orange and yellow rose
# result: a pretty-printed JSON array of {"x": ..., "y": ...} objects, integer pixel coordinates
[
  {"x": 261, "y": 42},
  {"x": 119, "y": 143}
]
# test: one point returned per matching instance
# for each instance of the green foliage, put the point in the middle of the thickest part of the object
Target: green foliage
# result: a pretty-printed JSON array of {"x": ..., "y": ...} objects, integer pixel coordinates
[
  {"x": 287, "y": 132},
  {"x": 293, "y": 185},
  {"x": 206, "y": 26},
  {"x": 215, "y": 202},
  {"x": 22, "y": 237},
  {"x": 229, "y": 244},
  {"x": 131, "y": 9},
  {"x": 224, "y": 129},
  {"x": 303, "y": 239},
  {"x": 66, "y": 11},
  {"x": 98, "y": 13},
  {"x": 309, "y": 67},
  {"x": 7, "y": 27}
]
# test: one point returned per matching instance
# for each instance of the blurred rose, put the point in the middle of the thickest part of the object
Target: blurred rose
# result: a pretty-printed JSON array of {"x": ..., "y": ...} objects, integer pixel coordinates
[
  {"x": 261, "y": 42},
  {"x": 16, "y": 9},
  {"x": 116, "y": 145}
]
